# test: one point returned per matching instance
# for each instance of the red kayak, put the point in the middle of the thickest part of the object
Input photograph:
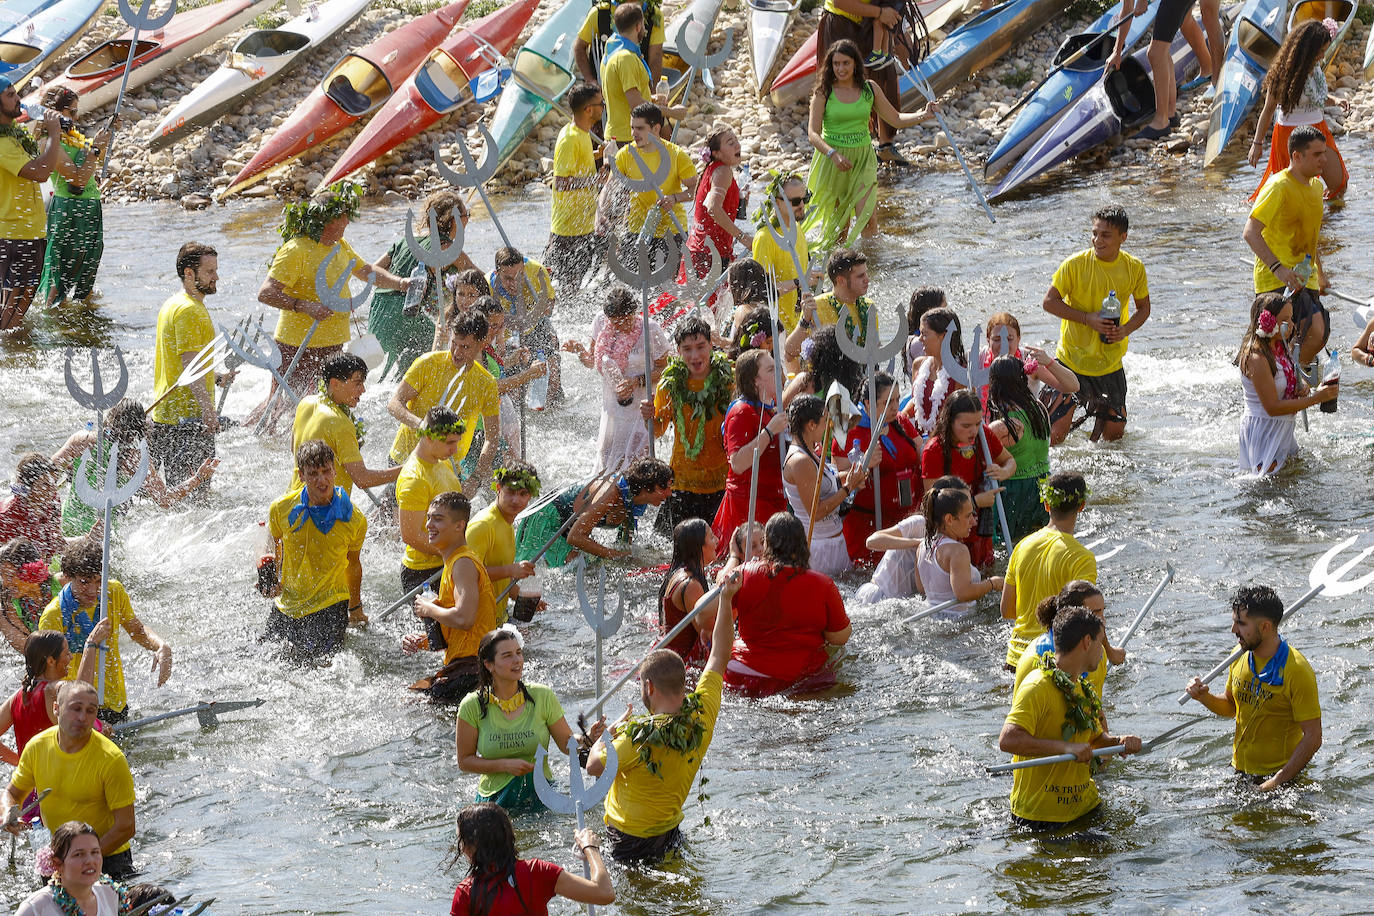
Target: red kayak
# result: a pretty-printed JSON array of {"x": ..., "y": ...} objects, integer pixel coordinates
[
  {"x": 440, "y": 85},
  {"x": 358, "y": 85}
]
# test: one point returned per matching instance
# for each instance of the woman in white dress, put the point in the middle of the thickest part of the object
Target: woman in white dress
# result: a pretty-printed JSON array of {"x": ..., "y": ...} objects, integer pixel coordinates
[
  {"x": 77, "y": 885},
  {"x": 896, "y": 575},
  {"x": 804, "y": 470},
  {"x": 1274, "y": 391},
  {"x": 942, "y": 562}
]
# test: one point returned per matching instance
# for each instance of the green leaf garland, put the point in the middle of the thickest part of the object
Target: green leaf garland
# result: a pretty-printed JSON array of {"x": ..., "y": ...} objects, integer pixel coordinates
[{"x": 713, "y": 398}]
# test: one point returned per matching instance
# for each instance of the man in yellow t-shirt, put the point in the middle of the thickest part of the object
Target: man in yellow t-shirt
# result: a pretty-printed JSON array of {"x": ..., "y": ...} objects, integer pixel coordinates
[
  {"x": 1044, "y": 562},
  {"x": 88, "y": 776},
  {"x": 23, "y": 221},
  {"x": 74, "y": 613},
  {"x": 491, "y": 532},
  {"x": 624, "y": 72},
  {"x": 1283, "y": 229},
  {"x": 1271, "y": 691},
  {"x": 572, "y": 245},
  {"x": 599, "y": 26},
  {"x": 1046, "y": 797},
  {"x": 679, "y": 186},
  {"x": 464, "y": 609},
  {"x": 328, "y": 415},
  {"x": 455, "y": 380},
  {"x": 526, "y": 292},
  {"x": 429, "y": 471},
  {"x": 319, "y": 540},
  {"x": 791, "y": 198},
  {"x": 185, "y": 424},
  {"x": 1089, "y": 345}
]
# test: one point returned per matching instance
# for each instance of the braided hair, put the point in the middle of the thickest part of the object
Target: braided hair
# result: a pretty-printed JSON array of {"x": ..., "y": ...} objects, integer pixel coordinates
[{"x": 38, "y": 648}]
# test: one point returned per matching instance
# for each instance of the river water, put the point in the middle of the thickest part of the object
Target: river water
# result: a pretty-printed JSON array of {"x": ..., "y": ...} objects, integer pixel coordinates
[{"x": 339, "y": 794}]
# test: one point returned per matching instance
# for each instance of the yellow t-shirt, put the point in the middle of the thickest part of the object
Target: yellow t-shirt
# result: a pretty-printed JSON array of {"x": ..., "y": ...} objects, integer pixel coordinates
[
  {"x": 473, "y": 397},
  {"x": 120, "y": 611},
  {"x": 492, "y": 538},
  {"x": 88, "y": 786},
  {"x": 588, "y": 32},
  {"x": 1056, "y": 792},
  {"x": 1267, "y": 716},
  {"x": 314, "y": 572},
  {"x": 828, "y": 313},
  {"x": 680, "y": 171},
  {"x": 707, "y": 472},
  {"x": 833, "y": 9},
  {"x": 778, "y": 262},
  {"x": 540, "y": 280},
  {"x": 573, "y": 213},
  {"x": 319, "y": 418},
  {"x": 622, "y": 71},
  {"x": 1030, "y": 660},
  {"x": 1084, "y": 281},
  {"x": 294, "y": 266},
  {"x": 1042, "y": 564},
  {"x": 21, "y": 203},
  {"x": 1292, "y": 216},
  {"x": 644, "y": 805},
  {"x": 419, "y": 483},
  {"x": 464, "y": 643},
  {"x": 183, "y": 326}
]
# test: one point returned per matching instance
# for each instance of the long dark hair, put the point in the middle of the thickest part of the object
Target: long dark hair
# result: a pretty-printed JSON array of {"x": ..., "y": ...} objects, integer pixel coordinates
[
  {"x": 747, "y": 374},
  {"x": 1009, "y": 392},
  {"x": 40, "y": 646},
  {"x": 1272, "y": 303},
  {"x": 1300, "y": 52},
  {"x": 689, "y": 540},
  {"x": 486, "y": 654},
  {"x": 784, "y": 543},
  {"x": 923, "y": 299},
  {"x": 961, "y": 401},
  {"x": 802, "y": 412},
  {"x": 486, "y": 829},
  {"x": 1074, "y": 594},
  {"x": 825, "y": 79},
  {"x": 827, "y": 363},
  {"x": 944, "y": 321},
  {"x": 938, "y": 503}
]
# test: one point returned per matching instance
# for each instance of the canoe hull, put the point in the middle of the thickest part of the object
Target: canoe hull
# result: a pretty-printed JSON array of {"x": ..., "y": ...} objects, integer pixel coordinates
[
  {"x": 54, "y": 31},
  {"x": 976, "y": 44},
  {"x": 1243, "y": 72},
  {"x": 769, "y": 22}
]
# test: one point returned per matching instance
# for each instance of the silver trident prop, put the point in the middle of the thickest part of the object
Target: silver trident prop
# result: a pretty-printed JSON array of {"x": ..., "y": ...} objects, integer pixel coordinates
[
  {"x": 110, "y": 494},
  {"x": 581, "y": 796},
  {"x": 254, "y": 345},
  {"x": 232, "y": 358},
  {"x": 787, "y": 241},
  {"x": 98, "y": 399},
  {"x": 649, "y": 182},
  {"x": 697, "y": 59},
  {"x": 698, "y": 290},
  {"x": 645, "y": 276},
  {"x": 595, "y": 614},
  {"x": 974, "y": 378},
  {"x": 437, "y": 257},
  {"x": 1149, "y": 603},
  {"x": 201, "y": 365},
  {"x": 138, "y": 21},
  {"x": 872, "y": 353}
]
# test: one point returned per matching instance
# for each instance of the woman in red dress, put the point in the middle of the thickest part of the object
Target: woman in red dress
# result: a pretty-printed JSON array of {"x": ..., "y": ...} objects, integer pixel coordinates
[
  {"x": 694, "y": 549},
  {"x": 899, "y": 469},
  {"x": 751, "y": 430},
  {"x": 717, "y": 204}
]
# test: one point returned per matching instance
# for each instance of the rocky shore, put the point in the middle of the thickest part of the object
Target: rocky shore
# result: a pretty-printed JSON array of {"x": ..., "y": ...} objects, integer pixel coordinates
[{"x": 194, "y": 170}]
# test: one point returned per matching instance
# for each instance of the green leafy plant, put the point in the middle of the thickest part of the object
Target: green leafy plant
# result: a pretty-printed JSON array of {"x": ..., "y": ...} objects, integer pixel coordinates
[
  {"x": 1016, "y": 78},
  {"x": 479, "y": 8}
]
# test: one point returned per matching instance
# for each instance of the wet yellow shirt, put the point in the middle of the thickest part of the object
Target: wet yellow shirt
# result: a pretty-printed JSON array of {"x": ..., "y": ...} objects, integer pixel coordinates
[
  {"x": 21, "y": 202},
  {"x": 1084, "y": 280},
  {"x": 622, "y": 71},
  {"x": 294, "y": 266},
  {"x": 573, "y": 213},
  {"x": 1042, "y": 646},
  {"x": 589, "y": 31},
  {"x": 473, "y": 397},
  {"x": 1056, "y": 792},
  {"x": 1042, "y": 564},
  {"x": 464, "y": 643},
  {"x": 120, "y": 611},
  {"x": 183, "y": 326},
  {"x": 317, "y": 417},
  {"x": 87, "y": 786},
  {"x": 680, "y": 171},
  {"x": 314, "y": 573},
  {"x": 1292, "y": 216},
  {"x": 778, "y": 262},
  {"x": 419, "y": 483},
  {"x": 492, "y": 538},
  {"x": 1267, "y": 716}
]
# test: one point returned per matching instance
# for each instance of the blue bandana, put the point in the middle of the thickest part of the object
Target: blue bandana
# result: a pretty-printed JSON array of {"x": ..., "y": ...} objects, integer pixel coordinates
[
  {"x": 632, "y": 512},
  {"x": 1273, "y": 672},
  {"x": 886, "y": 440},
  {"x": 619, "y": 42},
  {"x": 76, "y": 623},
  {"x": 4, "y": 84},
  {"x": 339, "y": 509}
]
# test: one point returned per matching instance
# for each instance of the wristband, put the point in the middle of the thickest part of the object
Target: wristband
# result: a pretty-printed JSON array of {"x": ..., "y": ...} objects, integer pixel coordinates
[
  {"x": 1273, "y": 268},
  {"x": 356, "y": 607},
  {"x": 830, "y": 153}
]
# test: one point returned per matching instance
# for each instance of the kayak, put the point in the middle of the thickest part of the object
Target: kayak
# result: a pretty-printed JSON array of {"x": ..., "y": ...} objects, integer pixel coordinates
[
  {"x": 15, "y": 13},
  {"x": 1122, "y": 101},
  {"x": 798, "y": 76},
  {"x": 1251, "y": 48},
  {"x": 26, "y": 47},
  {"x": 354, "y": 88},
  {"x": 976, "y": 44},
  {"x": 544, "y": 65},
  {"x": 443, "y": 83},
  {"x": 1058, "y": 91},
  {"x": 97, "y": 74},
  {"x": 1342, "y": 12},
  {"x": 259, "y": 59},
  {"x": 769, "y": 21},
  {"x": 703, "y": 13},
  {"x": 1369, "y": 55}
]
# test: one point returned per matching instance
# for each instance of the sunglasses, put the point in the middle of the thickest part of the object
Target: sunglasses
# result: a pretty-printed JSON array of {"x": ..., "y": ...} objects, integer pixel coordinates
[{"x": 800, "y": 201}]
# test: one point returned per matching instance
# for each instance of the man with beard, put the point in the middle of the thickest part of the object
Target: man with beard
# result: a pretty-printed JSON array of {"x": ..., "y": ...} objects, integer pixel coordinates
[
  {"x": 185, "y": 423},
  {"x": 23, "y": 221}
]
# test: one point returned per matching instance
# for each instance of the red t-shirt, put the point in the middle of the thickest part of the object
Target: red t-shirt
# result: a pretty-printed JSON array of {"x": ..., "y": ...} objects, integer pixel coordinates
[
  {"x": 970, "y": 469},
  {"x": 535, "y": 878},
  {"x": 899, "y": 468},
  {"x": 740, "y": 427},
  {"x": 782, "y": 618}
]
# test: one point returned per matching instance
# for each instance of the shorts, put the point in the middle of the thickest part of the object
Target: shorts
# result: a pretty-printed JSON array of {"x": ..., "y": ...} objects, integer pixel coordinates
[
  {"x": 658, "y": 249},
  {"x": 569, "y": 257},
  {"x": 682, "y": 505},
  {"x": 120, "y": 866},
  {"x": 542, "y": 339},
  {"x": 1083, "y": 820},
  {"x": 309, "y": 638},
  {"x": 21, "y": 262},
  {"x": 1307, "y": 304},
  {"x": 1100, "y": 396},
  {"x": 629, "y": 850},
  {"x": 1170, "y": 18},
  {"x": 179, "y": 450},
  {"x": 452, "y": 682}
]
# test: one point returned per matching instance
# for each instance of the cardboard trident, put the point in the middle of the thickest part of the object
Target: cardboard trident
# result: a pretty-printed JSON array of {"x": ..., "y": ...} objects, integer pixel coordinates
[
  {"x": 254, "y": 345},
  {"x": 872, "y": 353},
  {"x": 595, "y": 614},
  {"x": 232, "y": 358},
  {"x": 974, "y": 377},
  {"x": 581, "y": 796},
  {"x": 98, "y": 399},
  {"x": 207, "y": 714},
  {"x": 645, "y": 277},
  {"x": 139, "y": 21},
  {"x": 697, "y": 59}
]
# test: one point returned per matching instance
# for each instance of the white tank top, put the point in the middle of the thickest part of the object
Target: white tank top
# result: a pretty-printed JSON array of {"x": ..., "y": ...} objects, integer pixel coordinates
[
  {"x": 830, "y": 525},
  {"x": 936, "y": 580}
]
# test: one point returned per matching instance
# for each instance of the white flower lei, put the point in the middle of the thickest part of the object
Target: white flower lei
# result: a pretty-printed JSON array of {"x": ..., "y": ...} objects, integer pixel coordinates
[{"x": 925, "y": 422}]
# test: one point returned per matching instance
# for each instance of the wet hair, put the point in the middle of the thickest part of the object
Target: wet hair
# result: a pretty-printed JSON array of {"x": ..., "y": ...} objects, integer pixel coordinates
[
  {"x": 144, "y": 894},
  {"x": 59, "y": 98},
  {"x": 342, "y": 367},
  {"x": 1071, "y": 484},
  {"x": 649, "y": 113},
  {"x": 689, "y": 540},
  {"x": 801, "y": 413},
  {"x": 960, "y": 402},
  {"x": 1114, "y": 215},
  {"x": 784, "y": 543},
  {"x": 485, "y": 828},
  {"x": 190, "y": 254},
  {"x": 486, "y": 654},
  {"x": 715, "y": 137},
  {"x": 33, "y": 468},
  {"x": 581, "y": 95},
  {"x": 83, "y": 557},
  {"x": 627, "y": 16},
  {"x": 1074, "y": 594},
  {"x": 1272, "y": 303},
  {"x": 825, "y": 77},
  {"x": 756, "y": 321},
  {"x": 19, "y": 552},
  {"x": 487, "y": 305},
  {"x": 846, "y": 259},
  {"x": 664, "y": 669},
  {"x": 1258, "y": 601},
  {"x": 748, "y": 281},
  {"x": 882, "y": 382},
  {"x": 40, "y": 646},
  {"x": 1301, "y": 51},
  {"x": 471, "y": 323},
  {"x": 517, "y": 467},
  {"x": 739, "y": 540},
  {"x": 689, "y": 327},
  {"x": 747, "y": 374},
  {"x": 65, "y": 835},
  {"x": 944, "y": 321},
  {"x": 1009, "y": 392},
  {"x": 645, "y": 474},
  {"x": 439, "y": 415},
  {"x": 950, "y": 480},
  {"x": 474, "y": 278},
  {"x": 314, "y": 453},
  {"x": 127, "y": 422},
  {"x": 827, "y": 363},
  {"x": 455, "y": 504},
  {"x": 1071, "y": 625},
  {"x": 937, "y": 505},
  {"x": 508, "y": 256},
  {"x": 620, "y": 302},
  {"x": 441, "y": 204},
  {"x": 1303, "y": 137}
]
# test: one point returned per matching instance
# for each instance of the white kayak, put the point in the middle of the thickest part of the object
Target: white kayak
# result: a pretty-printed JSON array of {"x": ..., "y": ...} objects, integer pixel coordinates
[
  {"x": 26, "y": 47},
  {"x": 769, "y": 21},
  {"x": 256, "y": 61}
]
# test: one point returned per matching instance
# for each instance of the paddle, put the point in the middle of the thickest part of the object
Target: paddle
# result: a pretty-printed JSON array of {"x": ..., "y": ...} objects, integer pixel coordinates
[
  {"x": 207, "y": 712},
  {"x": 921, "y": 615},
  {"x": 200, "y": 365},
  {"x": 1073, "y": 58},
  {"x": 1145, "y": 748},
  {"x": 923, "y": 87},
  {"x": 1149, "y": 603},
  {"x": 1322, "y": 580},
  {"x": 138, "y": 21}
]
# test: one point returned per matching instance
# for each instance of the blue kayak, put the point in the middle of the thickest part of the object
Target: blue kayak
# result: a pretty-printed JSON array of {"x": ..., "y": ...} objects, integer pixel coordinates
[
  {"x": 17, "y": 12},
  {"x": 975, "y": 44},
  {"x": 1061, "y": 89},
  {"x": 26, "y": 47},
  {"x": 1254, "y": 41},
  {"x": 542, "y": 73},
  {"x": 1122, "y": 101}
]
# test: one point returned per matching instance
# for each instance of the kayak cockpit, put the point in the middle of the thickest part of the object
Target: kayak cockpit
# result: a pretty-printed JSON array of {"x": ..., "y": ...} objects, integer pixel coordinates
[
  {"x": 14, "y": 55},
  {"x": 108, "y": 56},
  {"x": 1099, "y": 47},
  {"x": 540, "y": 75},
  {"x": 1131, "y": 93},
  {"x": 271, "y": 43},
  {"x": 442, "y": 84},
  {"x": 1257, "y": 41},
  {"x": 357, "y": 86}
]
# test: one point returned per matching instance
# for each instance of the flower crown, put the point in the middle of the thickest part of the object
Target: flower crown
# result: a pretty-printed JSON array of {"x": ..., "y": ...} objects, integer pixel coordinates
[
  {"x": 516, "y": 480},
  {"x": 443, "y": 430},
  {"x": 1056, "y": 498},
  {"x": 1267, "y": 324},
  {"x": 309, "y": 217},
  {"x": 764, "y": 212},
  {"x": 34, "y": 572}
]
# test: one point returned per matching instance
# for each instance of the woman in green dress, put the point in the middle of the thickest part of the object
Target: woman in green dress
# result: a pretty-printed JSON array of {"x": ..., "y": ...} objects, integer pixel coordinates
[
  {"x": 76, "y": 224},
  {"x": 844, "y": 168}
]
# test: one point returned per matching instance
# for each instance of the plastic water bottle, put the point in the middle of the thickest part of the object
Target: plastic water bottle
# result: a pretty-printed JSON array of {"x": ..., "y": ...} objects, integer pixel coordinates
[
  {"x": 1304, "y": 272},
  {"x": 34, "y": 110},
  {"x": 662, "y": 89},
  {"x": 744, "y": 179},
  {"x": 433, "y": 630},
  {"x": 415, "y": 293},
  {"x": 1332, "y": 373},
  {"x": 539, "y": 388},
  {"x": 1111, "y": 312}
]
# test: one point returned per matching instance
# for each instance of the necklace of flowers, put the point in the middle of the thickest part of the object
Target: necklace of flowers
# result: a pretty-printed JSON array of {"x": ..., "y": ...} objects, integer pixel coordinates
[
  {"x": 713, "y": 398},
  {"x": 67, "y": 903},
  {"x": 1085, "y": 709},
  {"x": 681, "y": 731},
  {"x": 359, "y": 427},
  {"x": 20, "y": 136},
  {"x": 925, "y": 420}
]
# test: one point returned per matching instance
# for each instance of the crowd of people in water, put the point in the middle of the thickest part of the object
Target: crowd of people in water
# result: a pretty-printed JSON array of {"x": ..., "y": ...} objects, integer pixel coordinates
[{"x": 796, "y": 457}]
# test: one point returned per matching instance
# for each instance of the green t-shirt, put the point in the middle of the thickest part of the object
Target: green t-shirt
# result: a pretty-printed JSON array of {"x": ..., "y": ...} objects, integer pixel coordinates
[{"x": 501, "y": 738}]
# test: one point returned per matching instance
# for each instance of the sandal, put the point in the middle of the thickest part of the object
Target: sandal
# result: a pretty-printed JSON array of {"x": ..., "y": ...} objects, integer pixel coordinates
[
  {"x": 887, "y": 152},
  {"x": 1152, "y": 133}
]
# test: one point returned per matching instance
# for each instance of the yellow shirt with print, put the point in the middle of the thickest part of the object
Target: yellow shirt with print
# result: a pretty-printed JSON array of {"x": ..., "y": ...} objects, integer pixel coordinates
[
  {"x": 1042, "y": 564},
  {"x": 464, "y": 643},
  {"x": 294, "y": 266},
  {"x": 1084, "y": 280},
  {"x": 120, "y": 611},
  {"x": 183, "y": 326},
  {"x": 314, "y": 573},
  {"x": 21, "y": 202},
  {"x": 1058, "y": 792},
  {"x": 680, "y": 171},
  {"x": 828, "y": 313},
  {"x": 492, "y": 538},
  {"x": 419, "y": 483},
  {"x": 573, "y": 213},
  {"x": 317, "y": 417},
  {"x": 1292, "y": 216},
  {"x": 643, "y": 804},
  {"x": 778, "y": 262},
  {"x": 473, "y": 397},
  {"x": 1031, "y": 660},
  {"x": 87, "y": 786},
  {"x": 622, "y": 71},
  {"x": 1267, "y": 716}
]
